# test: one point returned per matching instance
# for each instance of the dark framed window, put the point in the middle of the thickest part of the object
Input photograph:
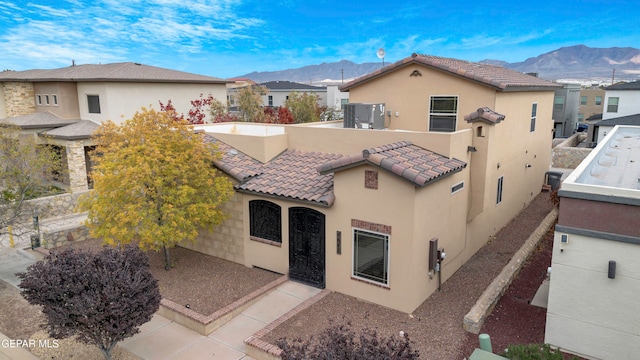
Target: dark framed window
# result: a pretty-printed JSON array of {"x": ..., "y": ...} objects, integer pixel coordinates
[
  {"x": 371, "y": 256},
  {"x": 265, "y": 220},
  {"x": 598, "y": 100},
  {"x": 457, "y": 187},
  {"x": 499, "y": 194},
  {"x": 93, "y": 102},
  {"x": 270, "y": 100},
  {"x": 443, "y": 112},
  {"x": 612, "y": 105},
  {"x": 583, "y": 100}
]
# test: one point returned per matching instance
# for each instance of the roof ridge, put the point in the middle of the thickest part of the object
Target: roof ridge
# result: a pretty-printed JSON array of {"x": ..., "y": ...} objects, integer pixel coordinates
[{"x": 387, "y": 147}]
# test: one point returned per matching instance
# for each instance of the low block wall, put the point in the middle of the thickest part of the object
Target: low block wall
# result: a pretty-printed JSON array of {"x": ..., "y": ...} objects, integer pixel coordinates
[
  {"x": 475, "y": 318},
  {"x": 59, "y": 237},
  {"x": 206, "y": 324},
  {"x": 565, "y": 155}
]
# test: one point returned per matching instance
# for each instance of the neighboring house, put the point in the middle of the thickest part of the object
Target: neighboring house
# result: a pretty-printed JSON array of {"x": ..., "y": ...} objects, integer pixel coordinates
[
  {"x": 592, "y": 309},
  {"x": 64, "y": 106},
  {"x": 591, "y": 103},
  {"x": 363, "y": 212},
  {"x": 233, "y": 85},
  {"x": 604, "y": 127},
  {"x": 565, "y": 110},
  {"x": 622, "y": 99},
  {"x": 336, "y": 99}
]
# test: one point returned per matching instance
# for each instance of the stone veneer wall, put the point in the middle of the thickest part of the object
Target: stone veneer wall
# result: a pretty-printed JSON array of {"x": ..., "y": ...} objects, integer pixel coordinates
[
  {"x": 76, "y": 165},
  {"x": 52, "y": 206},
  {"x": 226, "y": 241},
  {"x": 19, "y": 98},
  {"x": 565, "y": 155}
]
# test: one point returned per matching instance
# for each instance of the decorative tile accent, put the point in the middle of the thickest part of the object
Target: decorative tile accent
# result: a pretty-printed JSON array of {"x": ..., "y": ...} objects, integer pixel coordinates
[
  {"x": 371, "y": 179},
  {"x": 366, "y": 225}
]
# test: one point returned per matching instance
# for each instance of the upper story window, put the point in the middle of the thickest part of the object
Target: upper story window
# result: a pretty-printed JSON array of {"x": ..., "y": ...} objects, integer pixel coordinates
[
  {"x": 38, "y": 99},
  {"x": 47, "y": 100},
  {"x": 583, "y": 100},
  {"x": 598, "y": 100},
  {"x": 93, "y": 102},
  {"x": 270, "y": 100},
  {"x": 612, "y": 105},
  {"x": 558, "y": 103},
  {"x": 231, "y": 99},
  {"x": 443, "y": 112},
  {"x": 499, "y": 192},
  {"x": 265, "y": 220},
  {"x": 54, "y": 99},
  {"x": 534, "y": 114}
]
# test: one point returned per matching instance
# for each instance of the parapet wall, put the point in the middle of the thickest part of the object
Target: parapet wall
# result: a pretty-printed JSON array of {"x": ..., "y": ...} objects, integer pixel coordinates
[{"x": 566, "y": 155}]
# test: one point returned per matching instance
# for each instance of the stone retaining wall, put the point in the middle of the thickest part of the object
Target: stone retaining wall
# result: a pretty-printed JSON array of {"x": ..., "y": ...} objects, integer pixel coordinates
[
  {"x": 565, "y": 155},
  {"x": 52, "y": 206},
  {"x": 59, "y": 237},
  {"x": 475, "y": 318}
]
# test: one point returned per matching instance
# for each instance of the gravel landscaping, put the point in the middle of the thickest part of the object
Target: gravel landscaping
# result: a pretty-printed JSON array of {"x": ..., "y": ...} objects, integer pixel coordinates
[
  {"x": 435, "y": 327},
  {"x": 207, "y": 283}
]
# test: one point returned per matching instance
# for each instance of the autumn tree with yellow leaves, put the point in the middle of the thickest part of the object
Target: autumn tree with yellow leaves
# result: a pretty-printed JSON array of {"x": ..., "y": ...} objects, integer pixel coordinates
[{"x": 154, "y": 183}]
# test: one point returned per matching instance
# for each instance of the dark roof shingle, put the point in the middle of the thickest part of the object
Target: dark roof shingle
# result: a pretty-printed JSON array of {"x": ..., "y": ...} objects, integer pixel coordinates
[
  {"x": 635, "y": 85},
  {"x": 500, "y": 78},
  {"x": 410, "y": 162},
  {"x": 290, "y": 85}
]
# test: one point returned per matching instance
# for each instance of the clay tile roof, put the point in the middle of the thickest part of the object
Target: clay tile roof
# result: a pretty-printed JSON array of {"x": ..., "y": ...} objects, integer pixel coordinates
[
  {"x": 484, "y": 114},
  {"x": 235, "y": 163},
  {"x": 498, "y": 77},
  {"x": 410, "y": 162},
  {"x": 293, "y": 175}
]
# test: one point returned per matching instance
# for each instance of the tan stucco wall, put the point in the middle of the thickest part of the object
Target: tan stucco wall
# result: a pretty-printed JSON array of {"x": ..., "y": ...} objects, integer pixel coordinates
[
  {"x": 120, "y": 101},
  {"x": 67, "y": 93},
  {"x": 227, "y": 239},
  {"x": 588, "y": 313},
  {"x": 410, "y": 96},
  {"x": 272, "y": 256},
  {"x": 261, "y": 148},
  {"x": 18, "y": 99}
]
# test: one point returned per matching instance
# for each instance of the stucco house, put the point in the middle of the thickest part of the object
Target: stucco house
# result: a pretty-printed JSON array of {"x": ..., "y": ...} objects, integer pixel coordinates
[
  {"x": 363, "y": 211},
  {"x": 592, "y": 309},
  {"x": 64, "y": 106},
  {"x": 621, "y": 99},
  {"x": 278, "y": 91}
]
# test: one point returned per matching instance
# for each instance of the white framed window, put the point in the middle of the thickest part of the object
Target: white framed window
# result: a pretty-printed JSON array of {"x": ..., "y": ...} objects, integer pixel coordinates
[
  {"x": 443, "y": 112},
  {"x": 499, "y": 192},
  {"x": 371, "y": 256},
  {"x": 54, "y": 99},
  {"x": 457, "y": 187},
  {"x": 612, "y": 105},
  {"x": 534, "y": 114},
  {"x": 38, "y": 99},
  {"x": 93, "y": 103},
  {"x": 270, "y": 100},
  {"x": 47, "y": 100}
]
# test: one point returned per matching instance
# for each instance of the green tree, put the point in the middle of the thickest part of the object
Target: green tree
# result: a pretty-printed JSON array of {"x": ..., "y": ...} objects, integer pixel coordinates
[
  {"x": 26, "y": 171},
  {"x": 250, "y": 103},
  {"x": 220, "y": 112},
  {"x": 304, "y": 107},
  {"x": 101, "y": 299},
  {"x": 154, "y": 183}
]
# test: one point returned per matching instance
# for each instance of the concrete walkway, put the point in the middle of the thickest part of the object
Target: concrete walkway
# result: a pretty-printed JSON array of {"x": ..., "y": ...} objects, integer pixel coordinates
[{"x": 162, "y": 338}]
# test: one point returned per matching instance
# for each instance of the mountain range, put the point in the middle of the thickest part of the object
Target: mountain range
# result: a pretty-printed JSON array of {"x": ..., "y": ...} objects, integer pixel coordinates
[{"x": 577, "y": 62}]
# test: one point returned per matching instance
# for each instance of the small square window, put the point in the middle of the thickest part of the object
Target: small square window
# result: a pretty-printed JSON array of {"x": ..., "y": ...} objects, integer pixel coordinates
[
  {"x": 583, "y": 100},
  {"x": 93, "y": 102},
  {"x": 598, "y": 100}
]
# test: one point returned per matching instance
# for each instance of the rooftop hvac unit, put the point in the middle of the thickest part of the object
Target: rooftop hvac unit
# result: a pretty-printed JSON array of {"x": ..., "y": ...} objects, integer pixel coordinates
[{"x": 364, "y": 116}]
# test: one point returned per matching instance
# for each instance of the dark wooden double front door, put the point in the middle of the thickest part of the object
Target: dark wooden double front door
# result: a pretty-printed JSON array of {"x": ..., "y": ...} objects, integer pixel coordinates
[{"x": 307, "y": 246}]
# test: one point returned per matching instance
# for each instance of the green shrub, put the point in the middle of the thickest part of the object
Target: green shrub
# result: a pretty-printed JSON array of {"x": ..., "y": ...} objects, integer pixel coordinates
[{"x": 534, "y": 352}]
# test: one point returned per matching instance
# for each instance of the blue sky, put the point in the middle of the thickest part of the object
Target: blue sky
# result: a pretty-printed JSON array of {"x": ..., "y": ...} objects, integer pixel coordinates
[{"x": 228, "y": 38}]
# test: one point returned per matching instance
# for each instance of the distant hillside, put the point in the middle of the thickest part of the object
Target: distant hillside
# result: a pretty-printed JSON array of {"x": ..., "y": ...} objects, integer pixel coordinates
[
  {"x": 582, "y": 62},
  {"x": 573, "y": 62}
]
